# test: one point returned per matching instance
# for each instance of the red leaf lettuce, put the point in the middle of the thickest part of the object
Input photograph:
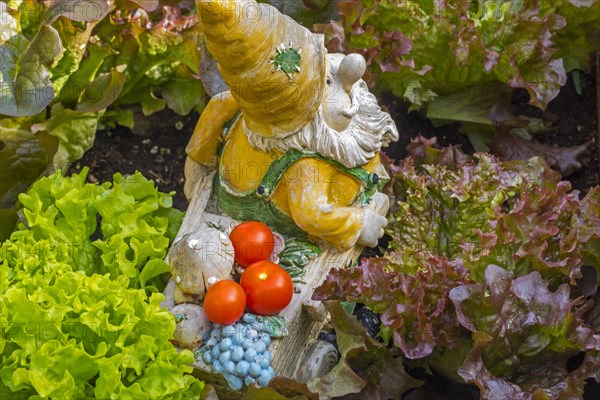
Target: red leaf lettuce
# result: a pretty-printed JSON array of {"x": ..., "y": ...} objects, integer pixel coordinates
[{"x": 455, "y": 216}]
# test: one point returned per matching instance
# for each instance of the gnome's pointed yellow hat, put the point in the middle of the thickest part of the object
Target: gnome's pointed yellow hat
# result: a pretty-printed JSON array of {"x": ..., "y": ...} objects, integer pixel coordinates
[{"x": 274, "y": 67}]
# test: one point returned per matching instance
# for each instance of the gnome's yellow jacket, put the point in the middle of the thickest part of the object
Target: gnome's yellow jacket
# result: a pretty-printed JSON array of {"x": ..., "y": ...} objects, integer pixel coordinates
[{"x": 316, "y": 195}]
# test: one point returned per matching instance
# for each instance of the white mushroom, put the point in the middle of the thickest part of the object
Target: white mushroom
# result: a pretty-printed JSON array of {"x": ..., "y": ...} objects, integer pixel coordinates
[
  {"x": 198, "y": 256},
  {"x": 192, "y": 326},
  {"x": 169, "y": 301},
  {"x": 180, "y": 297},
  {"x": 174, "y": 295}
]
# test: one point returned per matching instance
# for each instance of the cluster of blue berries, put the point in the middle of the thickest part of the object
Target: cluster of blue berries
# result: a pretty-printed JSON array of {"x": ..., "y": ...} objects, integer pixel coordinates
[{"x": 240, "y": 352}]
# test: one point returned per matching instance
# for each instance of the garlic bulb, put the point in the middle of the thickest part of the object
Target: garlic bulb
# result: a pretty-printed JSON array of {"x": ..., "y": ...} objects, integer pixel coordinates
[{"x": 199, "y": 255}]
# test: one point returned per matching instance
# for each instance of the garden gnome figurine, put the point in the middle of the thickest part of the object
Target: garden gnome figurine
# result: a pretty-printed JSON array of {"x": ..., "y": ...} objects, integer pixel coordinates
[{"x": 296, "y": 139}]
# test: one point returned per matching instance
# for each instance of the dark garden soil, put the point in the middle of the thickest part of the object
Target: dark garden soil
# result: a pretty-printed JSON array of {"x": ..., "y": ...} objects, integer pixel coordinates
[
  {"x": 573, "y": 120},
  {"x": 157, "y": 150}
]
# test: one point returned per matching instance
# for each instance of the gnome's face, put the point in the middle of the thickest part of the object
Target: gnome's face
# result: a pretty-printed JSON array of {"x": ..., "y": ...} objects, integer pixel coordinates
[{"x": 342, "y": 73}]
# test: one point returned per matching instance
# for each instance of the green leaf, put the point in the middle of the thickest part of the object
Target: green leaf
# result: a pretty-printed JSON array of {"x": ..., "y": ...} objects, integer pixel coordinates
[
  {"x": 296, "y": 254},
  {"x": 72, "y": 364},
  {"x": 150, "y": 103},
  {"x": 75, "y": 44},
  {"x": 349, "y": 306},
  {"x": 474, "y": 108},
  {"x": 581, "y": 37},
  {"x": 274, "y": 325},
  {"x": 182, "y": 95},
  {"x": 342, "y": 379},
  {"x": 101, "y": 92},
  {"x": 366, "y": 369},
  {"x": 9, "y": 26},
  {"x": 80, "y": 10},
  {"x": 23, "y": 158},
  {"x": 152, "y": 269},
  {"x": 84, "y": 74},
  {"x": 25, "y": 86},
  {"x": 75, "y": 131},
  {"x": 479, "y": 135},
  {"x": 119, "y": 116}
]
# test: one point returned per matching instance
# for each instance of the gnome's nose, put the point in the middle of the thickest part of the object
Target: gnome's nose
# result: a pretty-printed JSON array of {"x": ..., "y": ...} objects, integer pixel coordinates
[{"x": 351, "y": 69}]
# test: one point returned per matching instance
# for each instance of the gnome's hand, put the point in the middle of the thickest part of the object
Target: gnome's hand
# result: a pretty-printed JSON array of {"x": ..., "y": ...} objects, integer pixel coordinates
[{"x": 372, "y": 228}]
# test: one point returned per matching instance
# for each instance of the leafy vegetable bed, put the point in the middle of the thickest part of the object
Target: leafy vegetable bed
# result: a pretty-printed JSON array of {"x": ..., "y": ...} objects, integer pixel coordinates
[
  {"x": 486, "y": 287},
  {"x": 570, "y": 128},
  {"x": 81, "y": 311}
]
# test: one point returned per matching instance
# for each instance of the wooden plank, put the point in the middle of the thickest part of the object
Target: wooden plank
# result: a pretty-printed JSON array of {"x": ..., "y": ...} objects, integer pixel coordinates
[{"x": 192, "y": 221}]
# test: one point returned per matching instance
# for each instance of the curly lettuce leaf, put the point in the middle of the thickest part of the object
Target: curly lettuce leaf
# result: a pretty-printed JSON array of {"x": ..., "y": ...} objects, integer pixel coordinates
[
  {"x": 587, "y": 221},
  {"x": 90, "y": 335},
  {"x": 414, "y": 308},
  {"x": 483, "y": 211},
  {"x": 427, "y": 50},
  {"x": 75, "y": 132},
  {"x": 72, "y": 329},
  {"x": 458, "y": 60},
  {"x": 523, "y": 336},
  {"x": 137, "y": 224}
]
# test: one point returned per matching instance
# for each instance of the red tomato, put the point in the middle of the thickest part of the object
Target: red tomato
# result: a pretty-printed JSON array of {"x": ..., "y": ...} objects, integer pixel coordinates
[
  {"x": 269, "y": 288},
  {"x": 225, "y": 302},
  {"x": 252, "y": 241}
]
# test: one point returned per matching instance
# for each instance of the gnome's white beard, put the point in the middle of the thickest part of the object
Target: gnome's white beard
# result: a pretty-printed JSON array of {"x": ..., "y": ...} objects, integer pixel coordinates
[{"x": 369, "y": 130}]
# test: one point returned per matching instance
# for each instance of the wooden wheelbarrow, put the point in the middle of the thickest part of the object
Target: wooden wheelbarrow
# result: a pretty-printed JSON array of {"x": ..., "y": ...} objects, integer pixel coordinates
[{"x": 300, "y": 355}]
